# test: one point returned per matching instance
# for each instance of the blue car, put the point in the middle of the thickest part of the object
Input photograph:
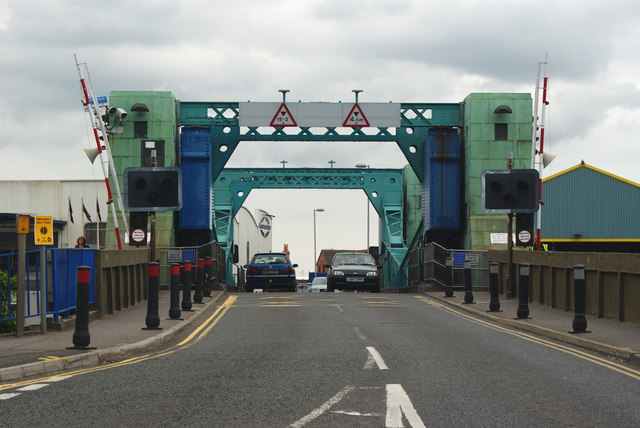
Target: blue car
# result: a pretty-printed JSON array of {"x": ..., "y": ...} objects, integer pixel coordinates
[{"x": 270, "y": 271}]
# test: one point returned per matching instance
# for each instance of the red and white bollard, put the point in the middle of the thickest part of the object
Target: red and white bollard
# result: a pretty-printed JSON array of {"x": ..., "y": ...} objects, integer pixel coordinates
[{"x": 81, "y": 336}]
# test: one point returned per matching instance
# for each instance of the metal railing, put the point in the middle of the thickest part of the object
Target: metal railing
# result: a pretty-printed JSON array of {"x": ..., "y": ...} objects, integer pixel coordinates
[
  {"x": 60, "y": 281},
  {"x": 118, "y": 279},
  {"x": 443, "y": 266},
  {"x": 169, "y": 255}
]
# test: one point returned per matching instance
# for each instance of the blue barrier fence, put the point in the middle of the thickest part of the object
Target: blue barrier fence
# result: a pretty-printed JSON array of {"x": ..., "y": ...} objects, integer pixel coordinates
[{"x": 60, "y": 279}]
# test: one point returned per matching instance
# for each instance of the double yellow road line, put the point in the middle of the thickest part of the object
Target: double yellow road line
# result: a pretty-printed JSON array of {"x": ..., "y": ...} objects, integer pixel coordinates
[
  {"x": 612, "y": 365},
  {"x": 197, "y": 335}
]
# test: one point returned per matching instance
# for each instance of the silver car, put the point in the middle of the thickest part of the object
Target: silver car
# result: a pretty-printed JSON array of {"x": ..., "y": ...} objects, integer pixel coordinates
[{"x": 318, "y": 284}]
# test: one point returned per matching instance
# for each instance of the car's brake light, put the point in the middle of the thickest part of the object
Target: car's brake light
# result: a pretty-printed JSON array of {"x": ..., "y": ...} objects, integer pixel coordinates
[
  {"x": 252, "y": 270},
  {"x": 289, "y": 270}
]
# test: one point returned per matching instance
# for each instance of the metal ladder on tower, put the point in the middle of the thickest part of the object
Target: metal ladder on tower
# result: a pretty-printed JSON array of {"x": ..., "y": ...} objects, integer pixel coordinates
[{"x": 101, "y": 137}]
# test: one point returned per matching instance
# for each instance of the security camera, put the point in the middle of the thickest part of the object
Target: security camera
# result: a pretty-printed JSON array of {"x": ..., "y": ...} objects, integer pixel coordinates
[{"x": 119, "y": 112}]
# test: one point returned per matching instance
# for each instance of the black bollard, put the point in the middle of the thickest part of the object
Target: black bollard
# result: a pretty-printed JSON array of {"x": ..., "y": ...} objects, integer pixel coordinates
[
  {"x": 468, "y": 294},
  {"x": 174, "y": 304},
  {"x": 81, "y": 337},
  {"x": 186, "y": 287},
  {"x": 448, "y": 288},
  {"x": 152, "y": 320},
  {"x": 494, "y": 288},
  {"x": 579, "y": 300},
  {"x": 206, "y": 290},
  {"x": 523, "y": 292},
  {"x": 197, "y": 295}
]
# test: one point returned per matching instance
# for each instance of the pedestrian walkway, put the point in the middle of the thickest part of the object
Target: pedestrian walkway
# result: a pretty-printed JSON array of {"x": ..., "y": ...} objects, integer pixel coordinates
[
  {"x": 114, "y": 336},
  {"x": 609, "y": 337}
]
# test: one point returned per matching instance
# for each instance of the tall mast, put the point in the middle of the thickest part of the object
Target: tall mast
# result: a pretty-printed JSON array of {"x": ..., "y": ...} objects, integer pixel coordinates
[{"x": 101, "y": 137}]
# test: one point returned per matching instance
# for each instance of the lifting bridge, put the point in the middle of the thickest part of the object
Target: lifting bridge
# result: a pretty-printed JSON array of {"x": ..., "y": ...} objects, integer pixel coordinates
[{"x": 211, "y": 131}]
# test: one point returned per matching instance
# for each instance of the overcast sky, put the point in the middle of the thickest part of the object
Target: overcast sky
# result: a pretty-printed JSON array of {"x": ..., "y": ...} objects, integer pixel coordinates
[{"x": 395, "y": 50}]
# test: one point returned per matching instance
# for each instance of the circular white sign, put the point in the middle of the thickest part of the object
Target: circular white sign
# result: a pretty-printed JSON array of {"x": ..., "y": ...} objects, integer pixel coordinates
[
  {"x": 138, "y": 235},
  {"x": 524, "y": 236}
]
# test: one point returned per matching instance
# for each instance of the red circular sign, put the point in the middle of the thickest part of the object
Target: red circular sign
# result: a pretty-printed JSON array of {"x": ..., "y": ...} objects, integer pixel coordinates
[
  {"x": 524, "y": 236},
  {"x": 138, "y": 235}
]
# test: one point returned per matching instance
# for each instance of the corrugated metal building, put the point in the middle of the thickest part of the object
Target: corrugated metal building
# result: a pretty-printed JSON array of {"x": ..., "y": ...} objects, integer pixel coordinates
[
  {"x": 588, "y": 209},
  {"x": 54, "y": 198}
]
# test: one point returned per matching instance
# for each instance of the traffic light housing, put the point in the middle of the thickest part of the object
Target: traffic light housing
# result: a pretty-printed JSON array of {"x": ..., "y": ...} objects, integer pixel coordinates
[
  {"x": 524, "y": 229},
  {"x": 511, "y": 190},
  {"x": 153, "y": 189}
]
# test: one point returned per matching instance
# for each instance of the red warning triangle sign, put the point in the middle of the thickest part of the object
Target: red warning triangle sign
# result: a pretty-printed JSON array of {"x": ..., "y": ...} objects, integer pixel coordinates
[
  {"x": 356, "y": 117},
  {"x": 283, "y": 117}
]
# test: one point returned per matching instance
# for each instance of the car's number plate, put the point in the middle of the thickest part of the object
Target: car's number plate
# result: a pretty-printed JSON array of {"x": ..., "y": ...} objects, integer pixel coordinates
[
  {"x": 355, "y": 279},
  {"x": 270, "y": 271}
]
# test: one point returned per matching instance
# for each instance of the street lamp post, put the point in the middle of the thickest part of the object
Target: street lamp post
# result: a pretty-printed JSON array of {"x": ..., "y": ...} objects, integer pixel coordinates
[
  {"x": 315, "y": 258},
  {"x": 361, "y": 165}
]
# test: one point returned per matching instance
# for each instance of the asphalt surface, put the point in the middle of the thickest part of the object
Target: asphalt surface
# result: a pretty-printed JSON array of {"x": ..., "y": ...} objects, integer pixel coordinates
[
  {"x": 343, "y": 359},
  {"x": 120, "y": 335},
  {"x": 114, "y": 337}
]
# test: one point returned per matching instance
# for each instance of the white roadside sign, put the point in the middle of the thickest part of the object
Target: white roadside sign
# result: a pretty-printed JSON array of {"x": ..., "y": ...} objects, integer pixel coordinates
[{"x": 320, "y": 114}]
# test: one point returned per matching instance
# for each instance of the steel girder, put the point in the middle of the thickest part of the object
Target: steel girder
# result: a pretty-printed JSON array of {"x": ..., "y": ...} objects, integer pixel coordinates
[
  {"x": 222, "y": 119},
  {"x": 226, "y": 134},
  {"x": 384, "y": 188}
]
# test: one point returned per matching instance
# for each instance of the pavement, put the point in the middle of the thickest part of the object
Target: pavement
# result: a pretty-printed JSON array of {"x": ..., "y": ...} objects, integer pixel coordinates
[
  {"x": 119, "y": 335},
  {"x": 114, "y": 337},
  {"x": 612, "y": 338}
]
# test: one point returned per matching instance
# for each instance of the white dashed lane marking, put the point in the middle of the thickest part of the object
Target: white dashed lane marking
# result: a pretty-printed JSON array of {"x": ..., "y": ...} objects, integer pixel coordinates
[
  {"x": 8, "y": 395},
  {"x": 33, "y": 387}
]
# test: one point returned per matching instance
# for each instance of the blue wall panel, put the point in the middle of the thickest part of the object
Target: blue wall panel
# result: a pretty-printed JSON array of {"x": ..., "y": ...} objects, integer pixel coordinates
[
  {"x": 195, "y": 162},
  {"x": 441, "y": 191}
]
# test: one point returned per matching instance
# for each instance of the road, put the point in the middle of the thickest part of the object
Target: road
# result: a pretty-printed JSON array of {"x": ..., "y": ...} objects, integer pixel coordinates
[{"x": 338, "y": 360}]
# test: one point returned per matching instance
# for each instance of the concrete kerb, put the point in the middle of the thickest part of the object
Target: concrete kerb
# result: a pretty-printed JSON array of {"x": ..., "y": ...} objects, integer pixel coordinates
[
  {"x": 601, "y": 348},
  {"x": 94, "y": 358}
]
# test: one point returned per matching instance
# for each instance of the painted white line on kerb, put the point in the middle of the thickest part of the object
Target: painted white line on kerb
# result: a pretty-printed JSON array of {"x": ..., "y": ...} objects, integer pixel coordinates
[
  {"x": 398, "y": 403},
  {"x": 33, "y": 387},
  {"x": 9, "y": 395},
  {"x": 377, "y": 358},
  {"x": 322, "y": 409}
]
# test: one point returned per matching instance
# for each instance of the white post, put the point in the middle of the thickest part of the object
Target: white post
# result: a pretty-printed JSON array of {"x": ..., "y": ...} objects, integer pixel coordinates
[
  {"x": 315, "y": 258},
  {"x": 43, "y": 290}
]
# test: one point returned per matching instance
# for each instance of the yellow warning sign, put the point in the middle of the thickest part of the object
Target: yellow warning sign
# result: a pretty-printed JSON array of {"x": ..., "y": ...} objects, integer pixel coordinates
[
  {"x": 43, "y": 230},
  {"x": 23, "y": 224}
]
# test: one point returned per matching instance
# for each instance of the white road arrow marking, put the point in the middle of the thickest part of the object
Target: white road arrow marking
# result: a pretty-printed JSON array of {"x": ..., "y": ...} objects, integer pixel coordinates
[
  {"x": 398, "y": 403},
  {"x": 322, "y": 409}
]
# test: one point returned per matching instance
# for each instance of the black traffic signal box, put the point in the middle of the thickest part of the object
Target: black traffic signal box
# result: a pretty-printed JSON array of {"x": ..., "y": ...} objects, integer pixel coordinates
[
  {"x": 511, "y": 190},
  {"x": 524, "y": 229},
  {"x": 153, "y": 189}
]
